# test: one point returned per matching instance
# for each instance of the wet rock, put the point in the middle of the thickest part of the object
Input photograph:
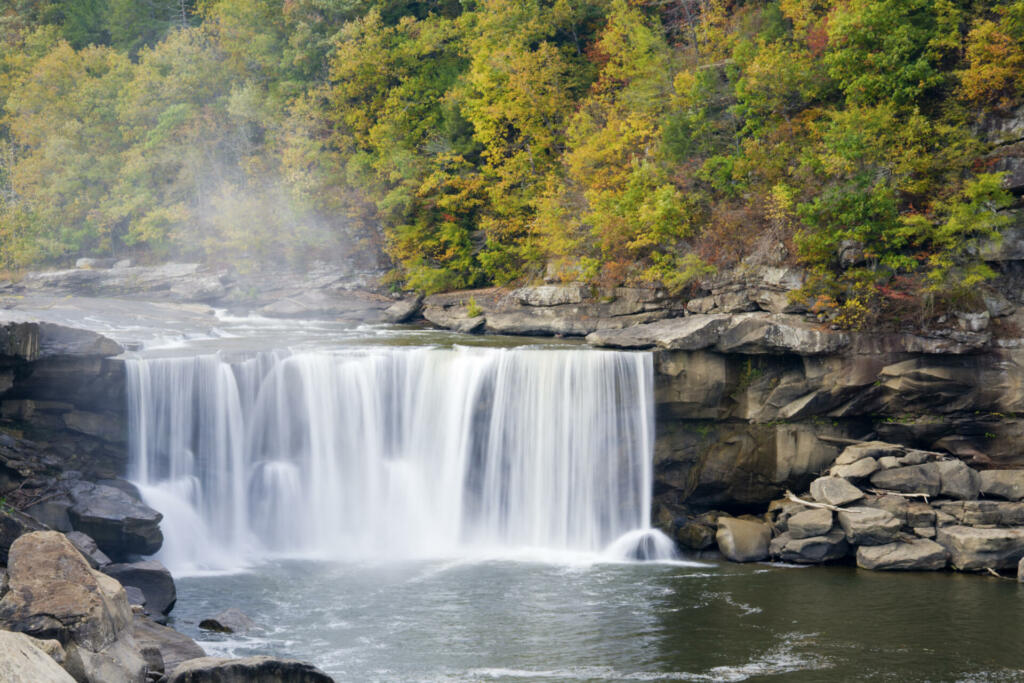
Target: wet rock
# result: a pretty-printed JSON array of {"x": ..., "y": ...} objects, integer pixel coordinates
[
  {"x": 58, "y": 340},
  {"x": 247, "y": 670},
  {"x": 835, "y": 491},
  {"x": 920, "y": 555},
  {"x": 22, "y": 660},
  {"x": 810, "y": 523},
  {"x": 1007, "y": 484},
  {"x": 913, "y": 479},
  {"x": 104, "y": 425},
  {"x": 120, "y": 525},
  {"x": 695, "y": 534},
  {"x": 90, "y": 551},
  {"x": 174, "y": 647},
  {"x": 231, "y": 620},
  {"x": 741, "y": 540},
  {"x": 813, "y": 550},
  {"x": 974, "y": 549},
  {"x": 152, "y": 578},
  {"x": 957, "y": 480},
  {"x": 54, "y": 594},
  {"x": 869, "y": 526}
]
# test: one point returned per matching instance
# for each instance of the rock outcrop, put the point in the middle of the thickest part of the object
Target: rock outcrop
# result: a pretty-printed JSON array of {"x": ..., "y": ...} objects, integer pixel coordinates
[{"x": 247, "y": 670}]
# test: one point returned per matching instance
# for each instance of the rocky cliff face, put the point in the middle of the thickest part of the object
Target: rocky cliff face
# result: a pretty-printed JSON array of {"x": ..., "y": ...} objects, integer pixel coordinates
[{"x": 61, "y": 390}]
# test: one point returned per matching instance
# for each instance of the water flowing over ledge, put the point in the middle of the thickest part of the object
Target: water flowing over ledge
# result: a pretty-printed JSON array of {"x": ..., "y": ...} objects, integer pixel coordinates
[{"x": 395, "y": 453}]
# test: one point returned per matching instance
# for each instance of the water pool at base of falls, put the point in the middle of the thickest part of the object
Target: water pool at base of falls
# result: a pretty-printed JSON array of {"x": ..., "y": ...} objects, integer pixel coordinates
[{"x": 501, "y": 620}]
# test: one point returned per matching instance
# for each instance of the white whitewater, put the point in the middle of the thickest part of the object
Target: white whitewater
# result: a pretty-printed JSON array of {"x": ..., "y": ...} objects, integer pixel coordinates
[{"x": 396, "y": 452}]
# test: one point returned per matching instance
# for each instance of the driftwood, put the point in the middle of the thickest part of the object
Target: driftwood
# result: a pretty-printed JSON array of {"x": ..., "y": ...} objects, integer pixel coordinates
[
  {"x": 884, "y": 492},
  {"x": 811, "y": 504}
]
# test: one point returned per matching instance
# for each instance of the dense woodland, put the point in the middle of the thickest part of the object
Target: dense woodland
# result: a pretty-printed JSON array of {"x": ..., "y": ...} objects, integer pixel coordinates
[{"x": 480, "y": 142}]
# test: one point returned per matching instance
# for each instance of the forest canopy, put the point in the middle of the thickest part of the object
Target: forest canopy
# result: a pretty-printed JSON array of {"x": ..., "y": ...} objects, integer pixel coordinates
[{"x": 478, "y": 142}]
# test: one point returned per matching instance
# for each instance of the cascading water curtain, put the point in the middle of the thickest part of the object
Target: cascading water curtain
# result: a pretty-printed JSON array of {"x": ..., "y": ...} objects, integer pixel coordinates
[{"x": 393, "y": 452}]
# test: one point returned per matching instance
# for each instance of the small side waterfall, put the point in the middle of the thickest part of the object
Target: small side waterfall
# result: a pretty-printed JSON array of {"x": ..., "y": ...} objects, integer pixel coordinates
[{"x": 394, "y": 452}]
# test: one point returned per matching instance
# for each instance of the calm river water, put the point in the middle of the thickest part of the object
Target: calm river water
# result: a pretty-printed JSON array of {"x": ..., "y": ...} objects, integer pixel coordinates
[{"x": 503, "y": 620}]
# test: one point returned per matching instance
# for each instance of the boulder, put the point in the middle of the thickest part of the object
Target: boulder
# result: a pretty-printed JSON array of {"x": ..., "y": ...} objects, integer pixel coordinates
[
  {"x": 918, "y": 554},
  {"x": 695, "y": 534},
  {"x": 810, "y": 523},
  {"x": 120, "y": 525},
  {"x": 53, "y": 593},
  {"x": 920, "y": 514},
  {"x": 834, "y": 491},
  {"x": 683, "y": 334},
  {"x": 869, "y": 449},
  {"x": 973, "y": 549},
  {"x": 869, "y": 526},
  {"x": 551, "y": 295},
  {"x": 453, "y": 319},
  {"x": 897, "y": 506},
  {"x": 766, "y": 333},
  {"x": 813, "y": 550},
  {"x": 152, "y": 578},
  {"x": 742, "y": 540},
  {"x": 23, "y": 661},
  {"x": 1008, "y": 484},
  {"x": 923, "y": 478},
  {"x": 90, "y": 551},
  {"x": 957, "y": 480},
  {"x": 246, "y": 670},
  {"x": 983, "y": 512},
  {"x": 231, "y": 620},
  {"x": 403, "y": 310},
  {"x": 58, "y": 340},
  {"x": 862, "y": 469},
  {"x": 174, "y": 647},
  {"x": 52, "y": 512}
]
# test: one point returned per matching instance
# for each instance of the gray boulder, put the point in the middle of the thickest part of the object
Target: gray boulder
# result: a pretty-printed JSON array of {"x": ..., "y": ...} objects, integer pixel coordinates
[
  {"x": 973, "y": 549},
  {"x": 231, "y": 620},
  {"x": 810, "y": 523},
  {"x": 923, "y": 478},
  {"x": 814, "y": 550},
  {"x": 403, "y": 310},
  {"x": 1008, "y": 484},
  {"x": 918, "y": 554},
  {"x": 869, "y": 449},
  {"x": 835, "y": 491},
  {"x": 983, "y": 512},
  {"x": 23, "y": 661},
  {"x": 90, "y": 551},
  {"x": 957, "y": 480},
  {"x": 861, "y": 469},
  {"x": 120, "y": 525},
  {"x": 741, "y": 540},
  {"x": 53, "y": 593},
  {"x": 247, "y": 670},
  {"x": 150, "y": 577},
  {"x": 174, "y": 647},
  {"x": 869, "y": 526}
]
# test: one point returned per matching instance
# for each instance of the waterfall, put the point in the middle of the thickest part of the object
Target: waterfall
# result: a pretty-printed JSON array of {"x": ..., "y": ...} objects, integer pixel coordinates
[{"x": 392, "y": 452}]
